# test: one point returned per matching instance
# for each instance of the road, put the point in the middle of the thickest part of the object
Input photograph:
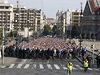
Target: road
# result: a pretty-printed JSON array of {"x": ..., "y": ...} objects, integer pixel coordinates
[{"x": 42, "y": 67}]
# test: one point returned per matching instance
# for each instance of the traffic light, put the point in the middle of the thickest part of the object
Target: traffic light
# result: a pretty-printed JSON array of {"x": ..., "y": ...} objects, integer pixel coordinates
[
  {"x": 9, "y": 41},
  {"x": 3, "y": 41},
  {"x": 92, "y": 46}
]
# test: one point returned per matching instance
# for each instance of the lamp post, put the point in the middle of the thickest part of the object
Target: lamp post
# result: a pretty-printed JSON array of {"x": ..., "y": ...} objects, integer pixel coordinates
[
  {"x": 28, "y": 27},
  {"x": 3, "y": 45},
  {"x": 17, "y": 22},
  {"x": 92, "y": 48},
  {"x": 81, "y": 15},
  {"x": 70, "y": 27},
  {"x": 18, "y": 14},
  {"x": 63, "y": 28}
]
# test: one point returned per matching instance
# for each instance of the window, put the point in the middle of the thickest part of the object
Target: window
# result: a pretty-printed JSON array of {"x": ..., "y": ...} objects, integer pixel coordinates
[
  {"x": 6, "y": 7},
  {"x": 76, "y": 13},
  {"x": 76, "y": 17},
  {"x": 75, "y": 20}
]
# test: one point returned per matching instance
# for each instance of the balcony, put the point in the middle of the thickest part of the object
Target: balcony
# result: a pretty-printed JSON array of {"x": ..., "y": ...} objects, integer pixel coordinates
[{"x": 5, "y": 10}]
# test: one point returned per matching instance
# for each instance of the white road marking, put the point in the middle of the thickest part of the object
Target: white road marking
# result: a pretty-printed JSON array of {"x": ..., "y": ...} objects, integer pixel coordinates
[
  {"x": 2, "y": 66},
  {"x": 89, "y": 68},
  {"x": 79, "y": 67},
  {"x": 74, "y": 68},
  {"x": 11, "y": 66},
  {"x": 56, "y": 66},
  {"x": 49, "y": 66},
  {"x": 34, "y": 66},
  {"x": 19, "y": 65},
  {"x": 41, "y": 66},
  {"x": 64, "y": 67},
  {"x": 23, "y": 61},
  {"x": 26, "y": 66}
]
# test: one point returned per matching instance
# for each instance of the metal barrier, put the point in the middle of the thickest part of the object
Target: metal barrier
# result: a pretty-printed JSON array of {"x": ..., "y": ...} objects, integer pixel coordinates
[{"x": 91, "y": 52}]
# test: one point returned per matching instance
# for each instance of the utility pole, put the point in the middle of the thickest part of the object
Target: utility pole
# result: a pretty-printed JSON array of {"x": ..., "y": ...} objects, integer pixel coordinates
[
  {"x": 18, "y": 18},
  {"x": 70, "y": 25},
  {"x": 3, "y": 45},
  {"x": 92, "y": 48},
  {"x": 63, "y": 29},
  {"x": 81, "y": 15}
]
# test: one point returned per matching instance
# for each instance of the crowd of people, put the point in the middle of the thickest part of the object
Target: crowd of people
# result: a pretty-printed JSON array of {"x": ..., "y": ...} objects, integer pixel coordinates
[
  {"x": 43, "y": 48},
  {"x": 46, "y": 48}
]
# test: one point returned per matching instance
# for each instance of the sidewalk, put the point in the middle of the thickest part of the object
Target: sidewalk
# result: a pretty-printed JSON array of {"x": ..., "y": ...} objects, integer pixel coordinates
[
  {"x": 88, "y": 44},
  {"x": 7, "y": 61}
]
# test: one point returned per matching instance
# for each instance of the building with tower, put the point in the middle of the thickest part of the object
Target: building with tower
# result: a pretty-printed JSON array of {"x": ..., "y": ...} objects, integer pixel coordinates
[{"x": 91, "y": 19}]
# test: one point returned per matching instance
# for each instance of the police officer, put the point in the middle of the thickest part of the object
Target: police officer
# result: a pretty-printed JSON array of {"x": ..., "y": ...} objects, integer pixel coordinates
[
  {"x": 69, "y": 68},
  {"x": 85, "y": 64}
]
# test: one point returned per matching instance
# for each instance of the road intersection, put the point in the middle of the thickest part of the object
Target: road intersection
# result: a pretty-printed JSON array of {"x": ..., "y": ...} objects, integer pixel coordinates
[{"x": 37, "y": 67}]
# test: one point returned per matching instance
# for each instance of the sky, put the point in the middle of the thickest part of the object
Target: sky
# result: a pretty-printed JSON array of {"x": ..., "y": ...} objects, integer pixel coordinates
[{"x": 50, "y": 7}]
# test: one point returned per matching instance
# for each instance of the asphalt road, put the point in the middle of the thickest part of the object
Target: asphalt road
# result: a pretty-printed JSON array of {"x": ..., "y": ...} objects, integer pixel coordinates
[{"x": 42, "y": 67}]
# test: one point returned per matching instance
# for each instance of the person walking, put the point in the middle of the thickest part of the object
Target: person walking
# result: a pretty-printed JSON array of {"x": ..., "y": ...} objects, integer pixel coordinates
[
  {"x": 98, "y": 60},
  {"x": 85, "y": 64},
  {"x": 89, "y": 58},
  {"x": 69, "y": 68}
]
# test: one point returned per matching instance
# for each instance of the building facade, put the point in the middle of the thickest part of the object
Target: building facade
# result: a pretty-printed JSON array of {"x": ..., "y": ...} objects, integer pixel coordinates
[
  {"x": 18, "y": 17},
  {"x": 31, "y": 18},
  {"x": 6, "y": 14},
  {"x": 71, "y": 17},
  {"x": 91, "y": 19}
]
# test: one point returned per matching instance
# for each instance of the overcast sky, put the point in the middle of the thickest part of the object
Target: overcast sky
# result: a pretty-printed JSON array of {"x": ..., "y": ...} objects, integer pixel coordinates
[{"x": 50, "y": 7}]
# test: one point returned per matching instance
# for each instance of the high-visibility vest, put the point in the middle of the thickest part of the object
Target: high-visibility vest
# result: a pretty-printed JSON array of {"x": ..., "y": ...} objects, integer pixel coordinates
[
  {"x": 85, "y": 63},
  {"x": 69, "y": 66}
]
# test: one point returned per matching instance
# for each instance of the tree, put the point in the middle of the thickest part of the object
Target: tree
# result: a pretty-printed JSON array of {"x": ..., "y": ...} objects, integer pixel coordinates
[
  {"x": 11, "y": 34},
  {"x": 55, "y": 30},
  {"x": 0, "y": 32},
  {"x": 47, "y": 30},
  {"x": 75, "y": 32},
  {"x": 1, "y": 36}
]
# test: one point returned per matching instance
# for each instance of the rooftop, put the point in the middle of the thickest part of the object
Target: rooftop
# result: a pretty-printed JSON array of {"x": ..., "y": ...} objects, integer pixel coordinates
[{"x": 94, "y": 4}]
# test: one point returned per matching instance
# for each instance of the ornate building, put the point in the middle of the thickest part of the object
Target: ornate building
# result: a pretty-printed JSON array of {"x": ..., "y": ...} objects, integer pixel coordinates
[{"x": 91, "y": 19}]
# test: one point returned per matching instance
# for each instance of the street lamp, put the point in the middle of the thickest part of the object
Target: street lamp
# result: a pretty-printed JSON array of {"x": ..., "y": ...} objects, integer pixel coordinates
[
  {"x": 63, "y": 28},
  {"x": 18, "y": 13},
  {"x": 81, "y": 15},
  {"x": 3, "y": 46},
  {"x": 92, "y": 48},
  {"x": 70, "y": 27},
  {"x": 28, "y": 23},
  {"x": 28, "y": 26}
]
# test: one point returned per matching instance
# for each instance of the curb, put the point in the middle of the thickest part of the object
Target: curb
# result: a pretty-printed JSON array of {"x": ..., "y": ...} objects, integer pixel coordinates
[
  {"x": 7, "y": 61},
  {"x": 79, "y": 59}
]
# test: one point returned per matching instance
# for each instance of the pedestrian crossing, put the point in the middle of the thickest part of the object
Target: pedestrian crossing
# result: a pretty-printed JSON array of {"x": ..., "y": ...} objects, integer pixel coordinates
[{"x": 42, "y": 66}]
